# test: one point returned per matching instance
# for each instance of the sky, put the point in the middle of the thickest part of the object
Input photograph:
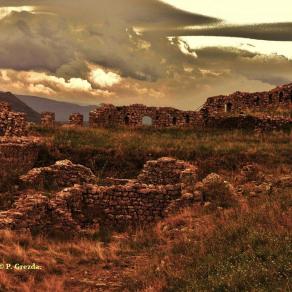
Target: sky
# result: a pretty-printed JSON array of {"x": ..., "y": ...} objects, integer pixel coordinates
[{"x": 161, "y": 53}]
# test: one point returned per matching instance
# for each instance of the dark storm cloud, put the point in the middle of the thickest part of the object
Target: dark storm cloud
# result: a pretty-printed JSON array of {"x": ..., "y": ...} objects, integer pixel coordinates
[
  {"x": 138, "y": 12},
  {"x": 265, "y": 31},
  {"x": 65, "y": 38}
]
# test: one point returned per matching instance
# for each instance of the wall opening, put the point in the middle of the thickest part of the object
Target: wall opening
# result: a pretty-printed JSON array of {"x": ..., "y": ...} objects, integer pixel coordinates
[
  {"x": 270, "y": 98},
  {"x": 281, "y": 94},
  {"x": 257, "y": 101},
  {"x": 147, "y": 121},
  {"x": 228, "y": 107},
  {"x": 205, "y": 113},
  {"x": 127, "y": 119},
  {"x": 174, "y": 121},
  {"x": 187, "y": 119}
]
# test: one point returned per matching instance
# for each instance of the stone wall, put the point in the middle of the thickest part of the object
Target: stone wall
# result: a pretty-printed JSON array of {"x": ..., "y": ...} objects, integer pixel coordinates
[
  {"x": 62, "y": 174},
  {"x": 76, "y": 119},
  {"x": 278, "y": 100},
  {"x": 136, "y": 115},
  {"x": 48, "y": 119},
  {"x": 134, "y": 203},
  {"x": 17, "y": 156},
  {"x": 11, "y": 123}
]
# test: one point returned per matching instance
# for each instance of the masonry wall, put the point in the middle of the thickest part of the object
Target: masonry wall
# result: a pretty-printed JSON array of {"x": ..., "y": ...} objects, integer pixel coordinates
[
  {"x": 48, "y": 119},
  {"x": 12, "y": 123},
  {"x": 278, "y": 99},
  {"x": 138, "y": 115},
  {"x": 138, "y": 202},
  {"x": 76, "y": 119},
  {"x": 17, "y": 156}
]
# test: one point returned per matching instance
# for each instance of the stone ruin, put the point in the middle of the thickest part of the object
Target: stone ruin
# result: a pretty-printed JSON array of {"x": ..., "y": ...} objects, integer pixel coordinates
[
  {"x": 48, "y": 119},
  {"x": 76, "y": 119},
  {"x": 162, "y": 188},
  {"x": 270, "y": 102},
  {"x": 275, "y": 107},
  {"x": 12, "y": 123},
  {"x": 135, "y": 115},
  {"x": 17, "y": 156},
  {"x": 60, "y": 175},
  {"x": 137, "y": 202}
]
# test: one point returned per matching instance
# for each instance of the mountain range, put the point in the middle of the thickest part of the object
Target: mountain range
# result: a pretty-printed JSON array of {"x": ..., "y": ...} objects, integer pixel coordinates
[
  {"x": 19, "y": 106},
  {"x": 61, "y": 109}
]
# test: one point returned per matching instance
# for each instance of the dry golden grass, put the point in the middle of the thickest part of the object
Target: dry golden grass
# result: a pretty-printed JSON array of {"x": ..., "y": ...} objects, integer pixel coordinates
[
  {"x": 57, "y": 258},
  {"x": 247, "y": 248},
  {"x": 239, "y": 249}
]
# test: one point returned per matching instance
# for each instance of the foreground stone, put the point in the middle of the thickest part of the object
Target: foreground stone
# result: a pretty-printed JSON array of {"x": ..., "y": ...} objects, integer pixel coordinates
[{"x": 134, "y": 203}]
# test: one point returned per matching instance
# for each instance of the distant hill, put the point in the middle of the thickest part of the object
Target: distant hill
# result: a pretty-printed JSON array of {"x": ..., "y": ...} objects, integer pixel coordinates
[
  {"x": 19, "y": 106},
  {"x": 61, "y": 109}
]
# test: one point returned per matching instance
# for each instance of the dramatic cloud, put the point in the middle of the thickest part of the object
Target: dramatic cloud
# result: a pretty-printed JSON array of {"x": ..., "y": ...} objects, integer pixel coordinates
[
  {"x": 104, "y": 79},
  {"x": 129, "y": 51},
  {"x": 265, "y": 31}
]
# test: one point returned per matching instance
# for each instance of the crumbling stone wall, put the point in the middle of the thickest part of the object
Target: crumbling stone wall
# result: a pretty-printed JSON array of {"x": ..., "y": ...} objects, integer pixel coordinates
[
  {"x": 12, "y": 123},
  {"x": 136, "y": 115},
  {"x": 36, "y": 213},
  {"x": 76, "y": 119},
  {"x": 131, "y": 204},
  {"x": 279, "y": 99},
  {"x": 17, "y": 156},
  {"x": 48, "y": 119},
  {"x": 62, "y": 174},
  {"x": 166, "y": 170}
]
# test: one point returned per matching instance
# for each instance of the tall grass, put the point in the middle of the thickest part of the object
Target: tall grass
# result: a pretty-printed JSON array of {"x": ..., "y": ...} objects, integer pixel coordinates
[
  {"x": 122, "y": 152},
  {"x": 245, "y": 249}
]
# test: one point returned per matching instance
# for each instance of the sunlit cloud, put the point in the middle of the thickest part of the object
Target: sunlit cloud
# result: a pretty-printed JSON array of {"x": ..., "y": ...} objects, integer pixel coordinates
[
  {"x": 5, "y": 11},
  {"x": 143, "y": 51},
  {"x": 104, "y": 79}
]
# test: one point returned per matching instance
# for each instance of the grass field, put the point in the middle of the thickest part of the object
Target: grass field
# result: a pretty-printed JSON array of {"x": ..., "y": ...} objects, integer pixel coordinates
[
  {"x": 246, "y": 248},
  {"x": 122, "y": 152}
]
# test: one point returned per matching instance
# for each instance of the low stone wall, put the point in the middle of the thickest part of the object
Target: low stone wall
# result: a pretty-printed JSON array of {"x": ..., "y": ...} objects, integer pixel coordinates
[
  {"x": 17, "y": 156},
  {"x": 120, "y": 205},
  {"x": 132, "y": 203},
  {"x": 12, "y": 123},
  {"x": 62, "y": 174},
  {"x": 36, "y": 213},
  {"x": 163, "y": 171}
]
